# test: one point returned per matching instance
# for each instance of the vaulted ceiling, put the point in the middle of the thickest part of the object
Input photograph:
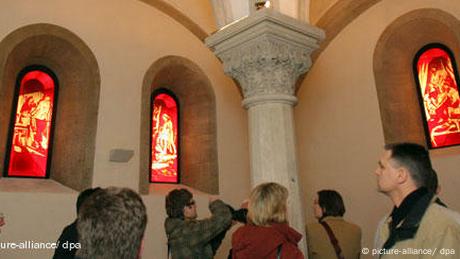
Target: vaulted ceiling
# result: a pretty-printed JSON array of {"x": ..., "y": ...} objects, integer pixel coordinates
[{"x": 201, "y": 17}]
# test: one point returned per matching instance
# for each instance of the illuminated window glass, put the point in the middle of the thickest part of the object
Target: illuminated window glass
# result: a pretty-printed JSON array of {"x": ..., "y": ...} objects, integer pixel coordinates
[
  {"x": 437, "y": 79},
  {"x": 164, "y": 142},
  {"x": 32, "y": 120}
]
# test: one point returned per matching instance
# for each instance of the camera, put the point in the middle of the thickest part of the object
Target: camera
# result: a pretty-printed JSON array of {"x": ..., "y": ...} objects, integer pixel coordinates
[{"x": 239, "y": 215}]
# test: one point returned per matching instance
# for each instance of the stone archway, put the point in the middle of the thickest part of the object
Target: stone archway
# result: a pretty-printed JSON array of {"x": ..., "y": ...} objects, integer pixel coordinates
[
  {"x": 395, "y": 51},
  {"x": 79, "y": 83},
  {"x": 197, "y": 119}
]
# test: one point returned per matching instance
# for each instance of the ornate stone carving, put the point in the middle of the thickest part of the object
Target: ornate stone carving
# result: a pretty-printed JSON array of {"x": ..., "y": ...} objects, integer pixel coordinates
[
  {"x": 266, "y": 66},
  {"x": 266, "y": 52}
]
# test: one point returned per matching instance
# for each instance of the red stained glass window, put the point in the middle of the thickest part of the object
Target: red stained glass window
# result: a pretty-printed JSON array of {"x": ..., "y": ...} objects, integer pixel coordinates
[
  {"x": 438, "y": 88},
  {"x": 30, "y": 142},
  {"x": 164, "y": 142}
]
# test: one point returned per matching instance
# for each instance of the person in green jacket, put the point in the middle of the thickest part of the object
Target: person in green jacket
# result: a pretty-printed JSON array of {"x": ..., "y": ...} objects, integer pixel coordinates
[{"x": 189, "y": 237}]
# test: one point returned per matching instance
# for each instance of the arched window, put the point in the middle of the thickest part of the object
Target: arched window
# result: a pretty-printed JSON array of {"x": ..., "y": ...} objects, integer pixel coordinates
[
  {"x": 31, "y": 130},
  {"x": 437, "y": 78},
  {"x": 164, "y": 166}
]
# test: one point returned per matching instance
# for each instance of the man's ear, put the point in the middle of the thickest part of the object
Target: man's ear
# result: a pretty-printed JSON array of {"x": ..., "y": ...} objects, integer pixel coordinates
[{"x": 403, "y": 175}]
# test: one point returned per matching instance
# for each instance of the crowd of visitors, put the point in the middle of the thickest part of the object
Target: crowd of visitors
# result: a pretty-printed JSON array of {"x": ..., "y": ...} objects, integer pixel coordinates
[{"x": 111, "y": 221}]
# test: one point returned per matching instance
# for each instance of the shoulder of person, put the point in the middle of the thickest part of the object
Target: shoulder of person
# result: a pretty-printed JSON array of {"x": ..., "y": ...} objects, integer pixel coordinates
[
  {"x": 442, "y": 216},
  {"x": 242, "y": 233},
  {"x": 437, "y": 221},
  {"x": 354, "y": 227},
  {"x": 239, "y": 230},
  {"x": 172, "y": 223},
  {"x": 249, "y": 229},
  {"x": 313, "y": 225}
]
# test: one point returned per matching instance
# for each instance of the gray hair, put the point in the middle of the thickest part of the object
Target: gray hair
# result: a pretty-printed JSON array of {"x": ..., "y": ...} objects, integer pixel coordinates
[{"x": 111, "y": 225}]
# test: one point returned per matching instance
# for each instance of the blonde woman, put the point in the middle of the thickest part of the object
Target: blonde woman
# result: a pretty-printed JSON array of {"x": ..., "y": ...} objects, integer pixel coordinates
[{"x": 267, "y": 234}]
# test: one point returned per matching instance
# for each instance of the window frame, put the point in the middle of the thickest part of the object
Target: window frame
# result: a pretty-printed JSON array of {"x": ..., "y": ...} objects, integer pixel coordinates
[{"x": 11, "y": 125}]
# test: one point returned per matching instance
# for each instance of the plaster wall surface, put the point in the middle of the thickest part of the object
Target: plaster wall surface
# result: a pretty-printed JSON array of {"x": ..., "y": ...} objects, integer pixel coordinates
[
  {"x": 338, "y": 124},
  {"x": 195, "y": 15},
  {"x": 126, "y": 37},
  {"x": 319, "y": 7},
  {"x": 200, "y": 11}
]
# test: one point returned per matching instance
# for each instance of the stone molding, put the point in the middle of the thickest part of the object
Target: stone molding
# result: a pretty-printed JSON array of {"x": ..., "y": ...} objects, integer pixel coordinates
[
  {"x": 269, "y": 98},
  {"x": 266, "y": 53}
]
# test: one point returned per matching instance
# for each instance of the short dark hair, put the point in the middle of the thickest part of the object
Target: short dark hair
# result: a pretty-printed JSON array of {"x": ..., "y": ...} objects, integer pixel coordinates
[
  {"x": 111, "y": 224},
  {"x": 175, "y": 202},
  {"x": 331, "y": 203},
  {"x": 415, "y": 158},
  {"x": 84, "y": 195},
  {"x": 432, "y": 182}
]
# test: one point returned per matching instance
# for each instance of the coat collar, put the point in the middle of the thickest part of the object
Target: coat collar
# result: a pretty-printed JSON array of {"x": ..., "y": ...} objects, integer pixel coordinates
[
  {"x": 410, "y": 222},
  {"x": 332, "y": 218}
]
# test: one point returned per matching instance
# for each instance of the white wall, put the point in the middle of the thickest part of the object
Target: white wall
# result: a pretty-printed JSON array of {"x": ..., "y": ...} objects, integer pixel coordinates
[
  {"x": 339, "y": 130},
  {"x": 126, "y": 37}
]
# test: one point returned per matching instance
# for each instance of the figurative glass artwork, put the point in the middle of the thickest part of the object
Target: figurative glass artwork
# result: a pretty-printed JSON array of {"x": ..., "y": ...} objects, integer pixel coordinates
[
  {"x": 438, "y": 87},
  {"x": 29, "y": 149},
  {"x": 164, "y": 142}
]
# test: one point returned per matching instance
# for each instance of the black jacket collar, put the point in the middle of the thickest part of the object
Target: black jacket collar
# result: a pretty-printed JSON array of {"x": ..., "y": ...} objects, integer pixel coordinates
[
  {"x": 408, "y": 216},
  {"x": 400, "y": 213}
]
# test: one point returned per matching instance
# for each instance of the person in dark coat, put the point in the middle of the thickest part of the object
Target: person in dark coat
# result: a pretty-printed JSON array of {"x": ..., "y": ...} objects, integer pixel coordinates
[
  {"x": 70, "y": 235},
  {"x": 111, "y": 225},
  {"x": 267, "y": 234}
]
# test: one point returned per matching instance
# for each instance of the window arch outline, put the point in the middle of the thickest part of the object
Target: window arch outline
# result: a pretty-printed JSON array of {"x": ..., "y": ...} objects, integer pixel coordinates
[
  {"x": 11, "y": 127},
  {"x": 423, "y": 110},
  {"x": 153, "y": 96}
]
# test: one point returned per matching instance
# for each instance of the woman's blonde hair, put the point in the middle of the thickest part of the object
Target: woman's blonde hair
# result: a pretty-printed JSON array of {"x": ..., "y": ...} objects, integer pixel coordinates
[{"x": 268, "y": 204}]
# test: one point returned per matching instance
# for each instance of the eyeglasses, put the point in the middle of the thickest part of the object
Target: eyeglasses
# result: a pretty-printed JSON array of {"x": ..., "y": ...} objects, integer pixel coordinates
[{"x": 190, "y": 203}]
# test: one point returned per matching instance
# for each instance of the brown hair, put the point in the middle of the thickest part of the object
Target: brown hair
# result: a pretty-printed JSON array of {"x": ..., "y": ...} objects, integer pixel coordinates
[{"x": 175, "y": 202}]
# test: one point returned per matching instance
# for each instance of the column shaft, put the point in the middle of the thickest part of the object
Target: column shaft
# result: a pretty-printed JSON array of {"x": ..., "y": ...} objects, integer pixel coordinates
[
  {"x": 273, "y": 153},
  {"x": 267, "y": 52}
]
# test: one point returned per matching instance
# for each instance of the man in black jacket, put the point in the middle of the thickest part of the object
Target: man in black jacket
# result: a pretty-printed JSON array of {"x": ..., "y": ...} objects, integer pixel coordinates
[{"x": 69, "y": 237}]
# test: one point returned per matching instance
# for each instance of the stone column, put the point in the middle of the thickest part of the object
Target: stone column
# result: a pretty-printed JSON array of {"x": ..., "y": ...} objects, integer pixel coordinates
[{"x": 266, "y": 52}]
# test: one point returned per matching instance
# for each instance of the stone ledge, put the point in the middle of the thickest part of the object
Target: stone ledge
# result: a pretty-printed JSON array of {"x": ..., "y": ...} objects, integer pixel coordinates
[
  {"x": 260, "y": 23},
  {"x": 29, "y": 185},
  {"x": 163, "y": 189}
]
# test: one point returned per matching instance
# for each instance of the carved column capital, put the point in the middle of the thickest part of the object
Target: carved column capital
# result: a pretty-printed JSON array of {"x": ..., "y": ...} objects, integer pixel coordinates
[{"x": 266, "y": 53}]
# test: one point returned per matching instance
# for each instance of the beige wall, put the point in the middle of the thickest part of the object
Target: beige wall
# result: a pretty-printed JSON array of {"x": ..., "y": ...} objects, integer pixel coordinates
[
  {"x": 338, "y": 122},
  {"x": 339, "y": 131},
  {"x": 126, "y": 37},
  {"x": 318, "y": 8},
  {"x": 200, "y": 11}
]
